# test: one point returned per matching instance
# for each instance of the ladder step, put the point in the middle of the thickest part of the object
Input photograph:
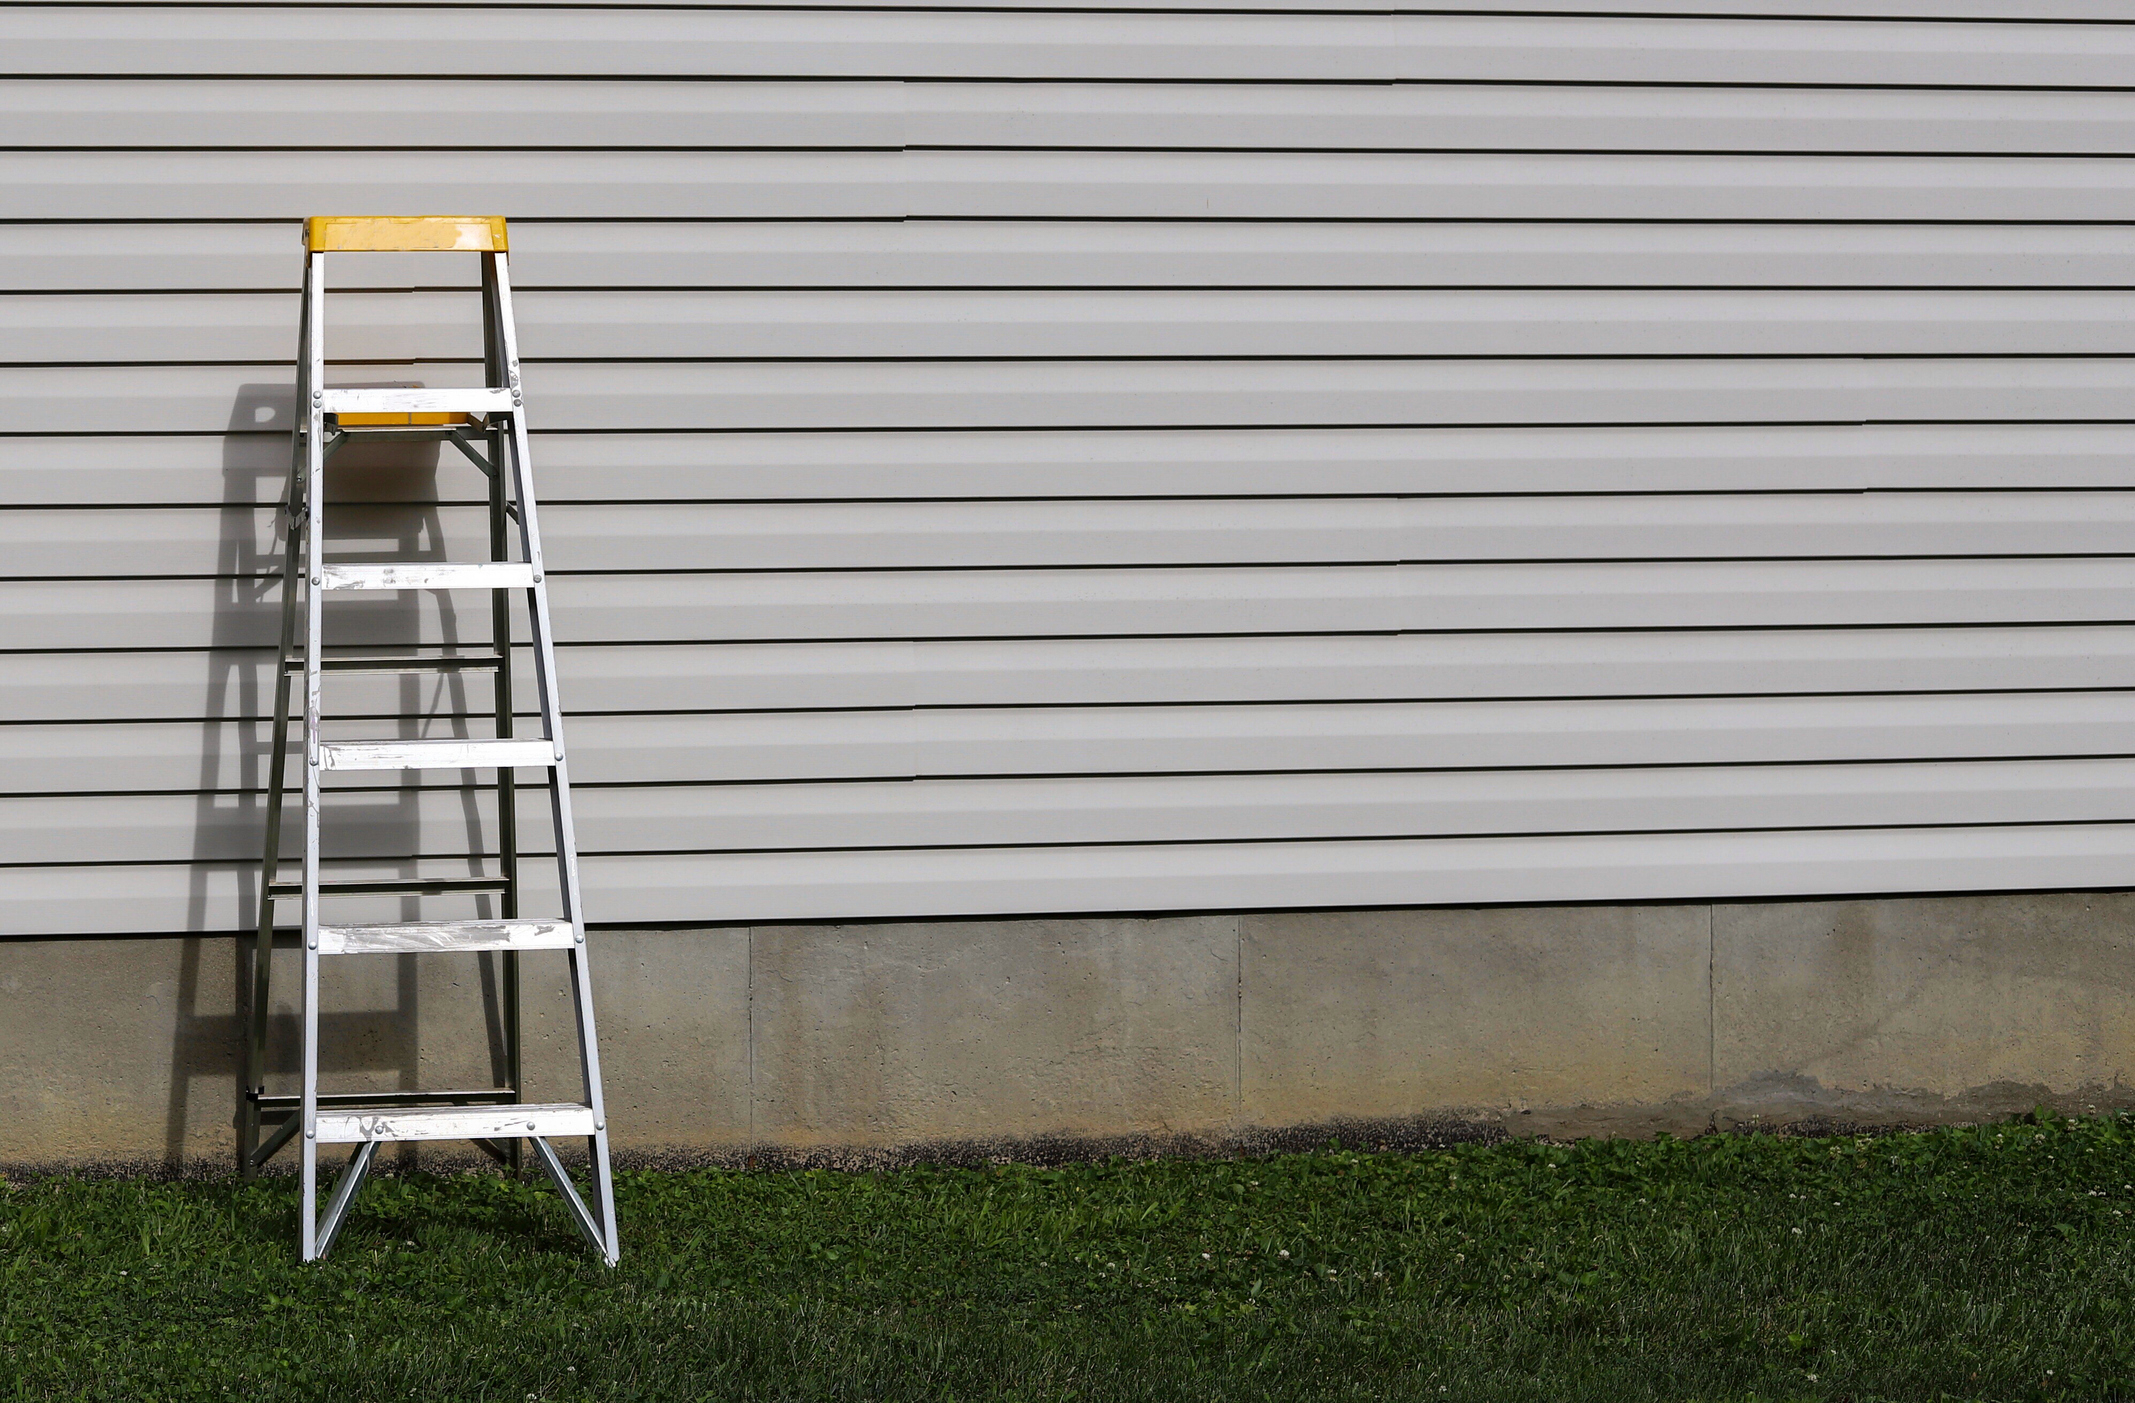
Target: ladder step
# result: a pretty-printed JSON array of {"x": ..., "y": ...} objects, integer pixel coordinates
[
  {"x": 445, "y": 935},
  {"x": 402, "y": 663},
  {"x": 387, "y": 886},
  {"x": 498, "y": 574},
  {"x": 453, "y": 1123},
  {"x": 497, "y": 1095},
  {"x": 416, "y": 401},
  {"x": 435, "y": 754}
]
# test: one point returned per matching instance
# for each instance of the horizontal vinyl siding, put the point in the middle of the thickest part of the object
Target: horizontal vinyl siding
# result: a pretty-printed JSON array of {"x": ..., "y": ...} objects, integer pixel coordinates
[
  {"x": 1034, "y": 603},
  {"x": 1037, "y": 459},
  {"x": 561, "y": 328},
  {"x": 1968, "y": 11},
  {"x": 737, "y": 747},
  {"x": 700, "y": 537},
  {"x": 121, "y": 685},
  {"x": 941, "y": 254},
  {"x": 1144, "y": 45},
  {"x": 1361, "y": 872},
  {"x": 784, "y": 114},
  {"x": 208, "y": 468},
  {"x": 755, "y": 395},
  {"x": 375, "y": 824},
  {"x": 1057, "y": 184}
]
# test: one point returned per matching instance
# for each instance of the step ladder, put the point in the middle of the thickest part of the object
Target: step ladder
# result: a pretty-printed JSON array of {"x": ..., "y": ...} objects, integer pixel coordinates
[{"x": 488, "y": 426}]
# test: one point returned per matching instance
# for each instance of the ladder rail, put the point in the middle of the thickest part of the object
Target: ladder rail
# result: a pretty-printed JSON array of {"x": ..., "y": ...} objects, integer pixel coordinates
[
  {"x": 544, "y": 647},
  {"x": 248, "y": 1147},
  {"x": 314, "y": 628},
  {"x": 500, "y": 633}
]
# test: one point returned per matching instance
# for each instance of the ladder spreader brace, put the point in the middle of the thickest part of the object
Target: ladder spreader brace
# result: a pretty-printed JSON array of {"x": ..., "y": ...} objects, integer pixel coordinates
[{"x": 495, "y": 1118}]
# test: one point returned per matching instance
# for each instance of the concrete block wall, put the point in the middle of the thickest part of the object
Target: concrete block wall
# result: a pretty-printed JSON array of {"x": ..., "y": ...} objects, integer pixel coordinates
[{"x": 871, "y": 1043}]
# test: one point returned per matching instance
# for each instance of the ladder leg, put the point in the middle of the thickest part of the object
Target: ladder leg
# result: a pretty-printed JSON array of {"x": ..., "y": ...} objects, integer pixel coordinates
[
  {"x": 500, "y": 632},
  {"x": 544, "y": 649},
  {"x": 258, "y": 1012},
  {"x": 314, "y": 552},
  {"x": 508, "y": 999},
  {"x": 589, "y": 1062}
]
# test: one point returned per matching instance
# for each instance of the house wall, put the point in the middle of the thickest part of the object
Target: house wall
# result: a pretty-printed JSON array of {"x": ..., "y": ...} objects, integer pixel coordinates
[{"x": 1080, "y": 464}]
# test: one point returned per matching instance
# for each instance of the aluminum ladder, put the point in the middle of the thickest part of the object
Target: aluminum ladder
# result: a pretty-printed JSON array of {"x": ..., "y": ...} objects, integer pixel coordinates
[{"x": 496, "y": 1118}]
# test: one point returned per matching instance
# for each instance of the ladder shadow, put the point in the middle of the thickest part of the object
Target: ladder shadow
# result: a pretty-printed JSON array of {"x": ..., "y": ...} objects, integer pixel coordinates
[{"x": 383, "y": 828}]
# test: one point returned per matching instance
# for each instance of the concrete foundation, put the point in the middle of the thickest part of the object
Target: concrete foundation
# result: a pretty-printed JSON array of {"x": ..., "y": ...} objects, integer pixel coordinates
[{"x": 879, "y": 1043}]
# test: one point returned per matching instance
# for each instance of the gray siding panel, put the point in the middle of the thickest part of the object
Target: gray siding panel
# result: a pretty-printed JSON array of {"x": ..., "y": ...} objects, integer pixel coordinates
[
  {"x": 1146, "y": 45},
  {"x": 577, "y": 114},
  {"x": 2064, "y": 11},
  {"x": 841, "y": 536},
  {"x": 745, "y": 677},
  {"x": 742, "y": 395},
  {"x": 1030, "y": 459},
  {"x": 1030, "y": 325},
  {"x": 1243, "y": 600},
  {"x": 923, "y": 253},
  {"x": 1054, "y": 184},
  {"x": 380, "y": 824},
  {"x": 208, "y": 468},
  {"x": 753, "y": 747},
  {"x": 978, "y": 881}
]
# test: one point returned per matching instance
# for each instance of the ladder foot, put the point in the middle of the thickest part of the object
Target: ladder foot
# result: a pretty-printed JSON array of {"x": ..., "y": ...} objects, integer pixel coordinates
[
  {"x": 581, "y": 1216},
  {"x": 359, "y": 1164}
]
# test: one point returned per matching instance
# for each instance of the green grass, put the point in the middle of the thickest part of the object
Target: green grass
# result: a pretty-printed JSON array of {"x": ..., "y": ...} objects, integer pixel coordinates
[{"x": 1991, "y": 1263}]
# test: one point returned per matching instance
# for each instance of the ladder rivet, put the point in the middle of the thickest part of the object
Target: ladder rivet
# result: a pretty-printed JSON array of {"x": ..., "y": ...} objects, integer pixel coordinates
[
  {"x": 600, "y": 1125},
  {"x": 310, "y": 1134}
]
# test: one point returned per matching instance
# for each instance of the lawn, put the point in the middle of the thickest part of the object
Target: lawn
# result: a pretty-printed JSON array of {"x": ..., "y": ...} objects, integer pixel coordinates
[{"x": 1990, "y": 1263}]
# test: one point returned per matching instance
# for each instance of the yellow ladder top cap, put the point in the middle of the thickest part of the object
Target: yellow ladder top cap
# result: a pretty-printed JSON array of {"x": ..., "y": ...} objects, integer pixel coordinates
[{"x": 418, "y": 233}]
